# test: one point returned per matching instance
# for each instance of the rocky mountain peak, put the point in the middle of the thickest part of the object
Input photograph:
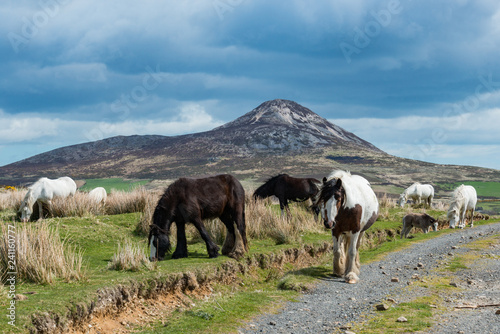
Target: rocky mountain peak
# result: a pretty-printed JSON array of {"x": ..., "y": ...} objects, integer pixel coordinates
[
  {"x": 287, "y": 125},
  {"x": 285, "y": 112}
]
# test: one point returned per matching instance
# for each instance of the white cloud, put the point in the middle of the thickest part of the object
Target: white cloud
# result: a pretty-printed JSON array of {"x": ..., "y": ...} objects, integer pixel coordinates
[
  {"x": 466, "y": 138},
  {"x": 33, "y": 128}
]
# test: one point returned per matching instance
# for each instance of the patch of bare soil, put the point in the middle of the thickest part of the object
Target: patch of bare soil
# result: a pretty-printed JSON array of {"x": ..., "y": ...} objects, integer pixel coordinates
[
  {"x": 140, "y": 312},
  {"x": 123, "y": 309}
]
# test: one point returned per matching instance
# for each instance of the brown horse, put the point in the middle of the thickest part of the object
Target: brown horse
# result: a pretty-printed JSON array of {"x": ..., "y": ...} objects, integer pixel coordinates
[
  {"x": 192, "y": 200},
  {"x": 287, "y": 188}
]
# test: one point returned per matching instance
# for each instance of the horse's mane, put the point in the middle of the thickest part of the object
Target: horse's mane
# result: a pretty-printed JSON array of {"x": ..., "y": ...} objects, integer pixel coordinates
[
  {"x": 267, "y": 189},
  {"x": 338, "y": 174},
  {"x": 457, "y": 198},
  {"x": 327, "y": 189}
]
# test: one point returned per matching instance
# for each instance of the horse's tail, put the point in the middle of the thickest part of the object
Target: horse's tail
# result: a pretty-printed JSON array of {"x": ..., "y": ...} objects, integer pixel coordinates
[{"x": 267, "y": 189}]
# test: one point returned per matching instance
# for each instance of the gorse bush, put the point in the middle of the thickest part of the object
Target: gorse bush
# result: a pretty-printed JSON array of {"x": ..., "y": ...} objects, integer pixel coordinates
[{"x": 41, "y": 256}]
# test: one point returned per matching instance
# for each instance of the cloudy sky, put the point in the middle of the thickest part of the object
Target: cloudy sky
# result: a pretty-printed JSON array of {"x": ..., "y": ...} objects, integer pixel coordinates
[{"x": 418, "y": 79}]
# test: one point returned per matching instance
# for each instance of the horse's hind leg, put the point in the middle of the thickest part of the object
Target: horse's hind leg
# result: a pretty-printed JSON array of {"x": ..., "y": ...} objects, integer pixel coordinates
[
  {"x": 235, "y": 244},
  {"x": 40, "y": 210},
  {"x": 230, "y": 235},
  {"x": 472, "y": 218}
]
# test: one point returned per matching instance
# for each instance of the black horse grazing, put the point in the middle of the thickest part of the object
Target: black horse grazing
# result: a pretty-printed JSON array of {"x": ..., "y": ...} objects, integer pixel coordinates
[
  {"x": 192, "y": 200},
  {"x": 288, "y": 188}
]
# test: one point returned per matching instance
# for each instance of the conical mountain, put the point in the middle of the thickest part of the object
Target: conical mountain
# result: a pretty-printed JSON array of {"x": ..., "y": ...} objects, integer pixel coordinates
[
  {"x": 288, "y": 126},
  {"x": 274, "y": 128}
]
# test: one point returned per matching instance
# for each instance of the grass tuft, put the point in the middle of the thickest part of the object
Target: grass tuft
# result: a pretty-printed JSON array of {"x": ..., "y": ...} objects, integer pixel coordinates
[
  {"x": 129, "y": 257},
  {"x": 41, "y": 256}
]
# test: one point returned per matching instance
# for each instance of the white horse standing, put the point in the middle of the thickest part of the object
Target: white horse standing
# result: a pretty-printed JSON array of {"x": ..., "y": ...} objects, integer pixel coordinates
[
  {"x": 464, "y": 199},
  {"x": 417, "y": 192},
  {"x": 98, "y": 195},
  {"x": 43, "y": 191},
  {"x": 348, "y": 207}
]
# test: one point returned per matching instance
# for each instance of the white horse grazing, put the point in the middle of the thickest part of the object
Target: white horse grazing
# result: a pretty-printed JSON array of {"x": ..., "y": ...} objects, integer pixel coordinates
[
  {"x": 348, "y": 207},
  {"x": 464, "y": 199},
  {"x": 43, "y": 191},
  {"x": 417, "y": 192},
  {"x": 98, "y": 195}
]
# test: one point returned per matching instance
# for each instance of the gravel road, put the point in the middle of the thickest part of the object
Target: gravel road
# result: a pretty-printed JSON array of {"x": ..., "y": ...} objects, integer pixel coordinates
[{"x": 334, "y": 303}]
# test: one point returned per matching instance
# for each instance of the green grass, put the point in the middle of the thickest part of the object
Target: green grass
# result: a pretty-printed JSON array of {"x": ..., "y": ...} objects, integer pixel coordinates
[
  {"x": 457, "y": 263},
  {"x": 98, "y": 238},
  {"x": 418, "y": 313},
  {"x": 113, "y": 184},
  {"x": 483, "y": 189}
]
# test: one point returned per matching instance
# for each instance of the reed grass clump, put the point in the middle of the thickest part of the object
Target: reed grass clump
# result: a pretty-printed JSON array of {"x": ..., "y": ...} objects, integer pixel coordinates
[
  {"x": 41, "y": 256},
  {"x": 78, "y": 205},
  {"x": 11, "y": 199},
  {"x": 129, "y": 257},
  {"x": 264, "y": 220}
]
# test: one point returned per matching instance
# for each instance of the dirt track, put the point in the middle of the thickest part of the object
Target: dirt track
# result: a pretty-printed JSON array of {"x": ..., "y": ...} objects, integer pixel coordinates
[{"x": 334, "y": 304}]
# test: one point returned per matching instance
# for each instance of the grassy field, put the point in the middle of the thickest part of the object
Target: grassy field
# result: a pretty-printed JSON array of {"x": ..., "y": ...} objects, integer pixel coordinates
[
  {"x": 113, "y": 184},
  {"x": 483, "y": 189},
  {"x": 97, "y": 238}
]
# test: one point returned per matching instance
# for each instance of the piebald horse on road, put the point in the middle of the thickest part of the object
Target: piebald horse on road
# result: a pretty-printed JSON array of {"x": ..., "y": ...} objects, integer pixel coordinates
[{"x": 348, "y": 207}]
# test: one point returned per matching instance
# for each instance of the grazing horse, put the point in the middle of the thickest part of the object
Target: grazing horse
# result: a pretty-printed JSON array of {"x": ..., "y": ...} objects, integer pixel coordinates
[
  {"x": 420, "y": 220},
  {"x": 43, "y": 191},
  {"x": 417, "y": 192},
  {"x": 348, "y": 207},
  {"x": 464, "y": 199},
  {"x": 98, "y": 195},
  {"x": 287, "y": 188},
  {"x": 192, "y": 200}
]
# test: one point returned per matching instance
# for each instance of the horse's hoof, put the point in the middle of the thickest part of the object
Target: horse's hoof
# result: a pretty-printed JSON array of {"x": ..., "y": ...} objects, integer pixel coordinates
[
  {"x": 179, "y": 256},
  {"x": 352, "y": 278},
  {"x": 235, "y": 255},
  {"x": 213, "y": 256}
]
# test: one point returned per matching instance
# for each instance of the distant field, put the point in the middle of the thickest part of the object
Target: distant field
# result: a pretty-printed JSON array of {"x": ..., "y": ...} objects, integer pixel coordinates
[
  {"x": 113, "y": 183},
  {"x": 484, "y": 189}
]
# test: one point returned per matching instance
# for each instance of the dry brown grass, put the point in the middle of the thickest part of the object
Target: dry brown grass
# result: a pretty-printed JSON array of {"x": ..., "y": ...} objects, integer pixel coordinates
[
  {"x": 11, "y": 199},
  {"x": 79, "y": 205},
  {"x": 119, "y": 202},
  {"x": 147, "y": 213},
  {"x": 386, "y": 202},
  {"x": 262, "y": 219},
  {"x": 41, "y": 256},
  {"x": 129, "y": 257}
]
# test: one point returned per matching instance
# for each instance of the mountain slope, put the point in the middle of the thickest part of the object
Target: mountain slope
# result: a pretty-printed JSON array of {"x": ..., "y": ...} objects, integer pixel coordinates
[
  {"x": 279, "y": 136},
  {"x": 277, "y": 127}
]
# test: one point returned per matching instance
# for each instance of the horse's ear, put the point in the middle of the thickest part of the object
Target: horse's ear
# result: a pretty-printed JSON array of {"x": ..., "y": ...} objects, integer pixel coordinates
[
  {"x": 339, "y": 183},
  {"x": 324, "y": 180}
]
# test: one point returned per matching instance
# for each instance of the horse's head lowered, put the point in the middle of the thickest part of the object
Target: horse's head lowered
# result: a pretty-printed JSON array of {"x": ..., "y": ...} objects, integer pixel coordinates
[
  {"x": 402, "y": 199},
  {"x": 158, "y": 240},
  {"x": 331, "y": 199},
  {"x": 453, "y": 217},
  {"x": 26, "y": 208}
]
